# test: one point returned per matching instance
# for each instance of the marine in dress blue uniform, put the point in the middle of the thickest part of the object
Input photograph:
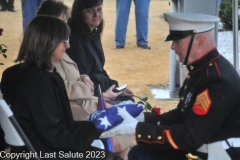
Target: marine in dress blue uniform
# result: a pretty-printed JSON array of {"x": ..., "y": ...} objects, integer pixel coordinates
[
  {"x": 206, "y": 118},
  {"x": 206, "y": 123}
]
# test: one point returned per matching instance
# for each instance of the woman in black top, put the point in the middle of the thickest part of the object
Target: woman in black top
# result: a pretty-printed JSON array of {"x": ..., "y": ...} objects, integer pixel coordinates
[
  {"x": 38, "y": 97},
  {"x": 86, "y": 50}
]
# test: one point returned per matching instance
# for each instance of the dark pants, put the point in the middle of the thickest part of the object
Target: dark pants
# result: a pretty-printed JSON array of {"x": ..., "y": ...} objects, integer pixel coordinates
[
  {"x": 145, "y": 152},
  {"x": 140, "y": 153},
  {"x": 7, "y": 5}
]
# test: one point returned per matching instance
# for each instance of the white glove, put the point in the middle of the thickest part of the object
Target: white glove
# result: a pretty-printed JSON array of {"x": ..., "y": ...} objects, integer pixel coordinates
[
  {"x": 126, "y": 128},
  {"x": 141, "y": 117}
]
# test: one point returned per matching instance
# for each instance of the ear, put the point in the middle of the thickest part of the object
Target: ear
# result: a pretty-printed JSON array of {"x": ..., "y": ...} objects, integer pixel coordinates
[{"x": 201, "y": 39}]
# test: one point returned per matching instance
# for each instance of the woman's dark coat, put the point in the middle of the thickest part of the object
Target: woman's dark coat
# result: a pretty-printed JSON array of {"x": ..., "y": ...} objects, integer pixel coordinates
[{"x": 88, "y": 54}]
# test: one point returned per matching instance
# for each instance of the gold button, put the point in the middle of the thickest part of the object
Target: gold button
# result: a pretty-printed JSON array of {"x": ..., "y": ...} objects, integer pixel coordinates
[
  {"x": 182, "y": 98},
  {"x": 188, "y": 76},
  {"x": 210, "y": 64},
  {"x": 149, "y": 136},
  {"x": 182, "y": 109},
  {"x": 185, "y": 106},
  {"x": 191, "y": 67},
  {"x": 139, "y": 136},
  {"x": 185, "y": 87},
  {"x": 194, "y": 31},
  {"x": 191, "y": 157},
  {"x": 159, "y": 138}
]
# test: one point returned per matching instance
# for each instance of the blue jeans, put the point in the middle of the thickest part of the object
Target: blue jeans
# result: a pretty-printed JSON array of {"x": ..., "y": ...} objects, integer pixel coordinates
[
  {"x": 122, "y": 15},
  {"x": 29, "y": 9}
]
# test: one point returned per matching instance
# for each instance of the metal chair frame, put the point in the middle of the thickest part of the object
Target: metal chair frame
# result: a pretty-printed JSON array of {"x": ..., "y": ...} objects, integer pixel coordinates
[{"x": 14, "y": 134}]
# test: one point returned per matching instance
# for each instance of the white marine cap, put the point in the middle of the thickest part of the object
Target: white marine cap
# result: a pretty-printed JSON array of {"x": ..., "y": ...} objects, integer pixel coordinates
[{"x": 185, "y": 24}]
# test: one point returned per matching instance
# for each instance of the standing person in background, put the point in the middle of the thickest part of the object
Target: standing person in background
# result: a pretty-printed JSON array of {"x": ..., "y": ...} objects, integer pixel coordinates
[
  {"x": 86, "y": 23},
  {"x": 122, "y": 16},
  {"x": 7, "y": 5},
  {"x": 29, "y": 9}
]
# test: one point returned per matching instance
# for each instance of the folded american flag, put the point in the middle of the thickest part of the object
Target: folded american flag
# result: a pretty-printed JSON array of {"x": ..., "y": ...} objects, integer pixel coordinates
[{"x": 108, "y": 118}]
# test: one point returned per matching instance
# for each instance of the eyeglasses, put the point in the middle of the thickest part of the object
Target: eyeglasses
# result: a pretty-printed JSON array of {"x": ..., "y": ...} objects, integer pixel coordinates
[{"x": 66, "y": 41}]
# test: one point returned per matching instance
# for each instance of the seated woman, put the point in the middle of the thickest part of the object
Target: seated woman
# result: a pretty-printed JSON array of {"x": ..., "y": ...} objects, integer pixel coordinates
[
  {"x": 39, "y": 98},
  {"x": 86, "y": 50},
  {"x": 79, "y": 87}
]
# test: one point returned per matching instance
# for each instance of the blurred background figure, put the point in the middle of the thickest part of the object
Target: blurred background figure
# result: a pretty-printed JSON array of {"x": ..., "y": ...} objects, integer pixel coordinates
[
  {"x": 122, "y": 15},
  {"x": 7, "y": 5}
]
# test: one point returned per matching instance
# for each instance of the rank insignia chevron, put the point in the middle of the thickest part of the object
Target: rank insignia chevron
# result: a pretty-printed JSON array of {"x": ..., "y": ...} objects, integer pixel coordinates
[{"x": 202, "y": 103}]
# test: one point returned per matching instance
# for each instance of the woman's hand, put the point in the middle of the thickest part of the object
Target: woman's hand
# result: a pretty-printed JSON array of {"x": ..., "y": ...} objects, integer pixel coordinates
[
  {"x": 86, "y": 80},
  {"x": 109, "y": 94},
  {"x": 127, "y": 92}
]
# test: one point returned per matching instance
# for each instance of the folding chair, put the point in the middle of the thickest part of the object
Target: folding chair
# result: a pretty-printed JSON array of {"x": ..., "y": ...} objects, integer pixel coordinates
[{"x": 14, "y": 134}]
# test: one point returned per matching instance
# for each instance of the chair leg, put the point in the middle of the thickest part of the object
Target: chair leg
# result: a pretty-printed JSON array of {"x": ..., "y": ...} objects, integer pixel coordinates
[{"x": 23, "y": 136}]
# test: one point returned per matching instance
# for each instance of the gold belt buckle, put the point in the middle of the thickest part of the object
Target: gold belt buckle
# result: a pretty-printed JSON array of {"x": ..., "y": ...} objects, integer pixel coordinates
[{"x": 191, "y": 157}]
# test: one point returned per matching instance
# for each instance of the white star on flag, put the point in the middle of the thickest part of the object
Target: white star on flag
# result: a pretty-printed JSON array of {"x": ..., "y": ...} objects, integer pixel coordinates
[
  {"x": 121, "y": 110},
  {"x": 105, "y": 122}
]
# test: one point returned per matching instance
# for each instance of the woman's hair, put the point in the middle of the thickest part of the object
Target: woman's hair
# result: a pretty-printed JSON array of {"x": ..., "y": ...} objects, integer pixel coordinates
[
  {"x": 76, "y": 20},
  {"x": 53, "y": 8},
  {"x": 40, "y": 39}
]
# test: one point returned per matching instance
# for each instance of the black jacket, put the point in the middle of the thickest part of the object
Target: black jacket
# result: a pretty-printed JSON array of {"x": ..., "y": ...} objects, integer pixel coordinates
[
  {"x": 208, "y": 110},
  {"x": 40, "y": 104},
  {"x": 88, "y": 54}
]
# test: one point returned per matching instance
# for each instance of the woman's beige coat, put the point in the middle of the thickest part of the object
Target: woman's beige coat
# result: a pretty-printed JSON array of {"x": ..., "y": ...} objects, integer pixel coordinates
[{"x": 81, "y": 100}]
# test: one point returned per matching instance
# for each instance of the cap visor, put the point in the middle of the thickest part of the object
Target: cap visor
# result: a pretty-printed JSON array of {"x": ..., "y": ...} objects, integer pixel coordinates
[{"x": 177, "y": 35}]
